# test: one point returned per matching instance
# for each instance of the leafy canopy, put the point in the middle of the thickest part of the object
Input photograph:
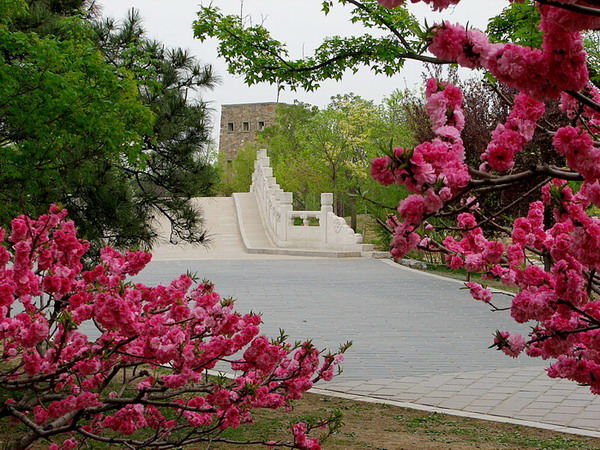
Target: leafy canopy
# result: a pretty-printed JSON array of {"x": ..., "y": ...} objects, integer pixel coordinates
[
  {"x": 64, "y": 115},
  {"x": 251, "y": 51},
  {"x": 100, "y": 119}
]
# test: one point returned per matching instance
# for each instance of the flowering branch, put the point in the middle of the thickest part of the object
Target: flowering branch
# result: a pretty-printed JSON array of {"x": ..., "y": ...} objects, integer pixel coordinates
[
  {"x": 161, "y": 340},
  {"x": 552, "y": 254},
  {"x": 573, "y": 7}
]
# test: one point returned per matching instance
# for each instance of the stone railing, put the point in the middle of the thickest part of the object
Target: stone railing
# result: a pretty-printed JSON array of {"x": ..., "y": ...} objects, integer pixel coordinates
[{"x": 322, "y": 230}]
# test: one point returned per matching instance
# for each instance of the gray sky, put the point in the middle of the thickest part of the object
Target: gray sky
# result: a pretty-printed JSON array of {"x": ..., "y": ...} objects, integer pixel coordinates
[{"x": 299, "y": 23}]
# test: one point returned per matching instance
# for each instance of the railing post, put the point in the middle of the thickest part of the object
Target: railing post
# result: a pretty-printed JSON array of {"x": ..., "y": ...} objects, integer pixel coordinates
[
  {"x": 286, "y": 206},
  {"x": 326, "y": 207}
]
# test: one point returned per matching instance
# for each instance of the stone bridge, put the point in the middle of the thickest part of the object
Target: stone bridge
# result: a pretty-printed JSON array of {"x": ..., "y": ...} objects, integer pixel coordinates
[{"x": 263, "y": 221}]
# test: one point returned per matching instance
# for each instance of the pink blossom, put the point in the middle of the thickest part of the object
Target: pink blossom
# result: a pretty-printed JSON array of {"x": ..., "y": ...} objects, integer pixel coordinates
[
  {"x": 412, "y": 208},
  {"x": 437, "y": 5},
  {"x": 478, "y": 292},
  {"x": 380, "y": 170},
  {"x": 578, "y": 147},
  {"x": 390, "y": 3},
  {"x": 179, "y": 326},
  {"x": 558, "y": 66},
  {"x": 511, "y": 345},
  {"x": 500, "y": 157}
]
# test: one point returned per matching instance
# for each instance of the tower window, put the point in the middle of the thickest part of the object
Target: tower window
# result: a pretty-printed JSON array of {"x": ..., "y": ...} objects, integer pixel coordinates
[
  {"x": 230, "y": 126},
  {"x": 245, "y": 126},
  {"x": 261, "y": 124}
]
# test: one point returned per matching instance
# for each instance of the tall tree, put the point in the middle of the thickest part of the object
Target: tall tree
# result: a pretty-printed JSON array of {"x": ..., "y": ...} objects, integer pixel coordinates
[
  {"x": 330, "y": 150},
  {"x": 249, "y": 50},
  {"x": 177, "y": 150},
  {"x": 101, "y": 120},
  {"x": 296, "y": 168},
  {"x": 66, "y": 118}
]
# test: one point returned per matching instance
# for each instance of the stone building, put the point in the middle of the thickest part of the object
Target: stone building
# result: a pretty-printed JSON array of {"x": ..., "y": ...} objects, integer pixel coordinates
[{"x": 239, "y": 124}]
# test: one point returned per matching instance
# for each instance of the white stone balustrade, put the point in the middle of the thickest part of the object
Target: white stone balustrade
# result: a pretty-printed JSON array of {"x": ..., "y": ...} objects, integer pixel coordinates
[{"x": 321, "y": 230}]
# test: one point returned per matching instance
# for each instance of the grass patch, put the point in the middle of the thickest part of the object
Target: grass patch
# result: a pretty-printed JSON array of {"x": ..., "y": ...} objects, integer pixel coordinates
[{"x": 384, "y": 427}]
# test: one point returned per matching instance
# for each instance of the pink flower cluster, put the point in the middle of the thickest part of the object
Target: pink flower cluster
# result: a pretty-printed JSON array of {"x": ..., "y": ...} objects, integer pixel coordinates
[
  {"x": 510, "y": 138},
  {"x": 512, "y": 345},
  {"x": 540, "y": 73},
  {"x": 161, "y": 338},
  {"x": 301, "y": 440},
  {"x": 577, "y": 146},
  {"x": 553, "y": 254},
  {"x": 478, "y": 292},
  {"x": 434, "y": 171},
  {"x": 557, "y": 299},
  {"x": 583, "y": 114}
]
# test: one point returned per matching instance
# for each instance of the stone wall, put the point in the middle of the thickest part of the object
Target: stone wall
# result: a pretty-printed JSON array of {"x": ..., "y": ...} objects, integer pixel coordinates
[{"x": 239, "y": 124}]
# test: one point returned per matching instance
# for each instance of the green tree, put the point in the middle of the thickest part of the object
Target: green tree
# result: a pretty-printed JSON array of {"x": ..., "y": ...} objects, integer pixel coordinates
[
  {"x": 46, "y": 17},
  {"x": 236, "y": 175},
  {"x": 66, "y": 117},
  {"x": 177, "y": 157},
  {"x": 345, "y": 136},
  {"x": 330, "y": 150},
  {"x": 395, "y": 131},
  {"x": 101, "y": 120},
  {"x": 251, "y": 52},
  {"x": 518, "y": 23},
  {"x": 297, "y": 168},
  {"x": 592, "y": 47}
]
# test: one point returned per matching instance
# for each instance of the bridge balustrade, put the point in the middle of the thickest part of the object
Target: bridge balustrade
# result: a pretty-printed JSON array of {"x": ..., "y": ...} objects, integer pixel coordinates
[{"x": 299, "y": 229}]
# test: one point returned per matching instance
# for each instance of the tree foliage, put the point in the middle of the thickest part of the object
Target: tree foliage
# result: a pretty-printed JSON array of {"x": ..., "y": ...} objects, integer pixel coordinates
[
  {"x": 329, "y": 150},
  {"x": 236, "y": 175},
  {"x": 177, "y": 150},
  {"x": 519, "y": 23},
  {"x": 65, "y": 118},
  {"x": 251, "y": 52},
  {"x": 102, "y": 122}
]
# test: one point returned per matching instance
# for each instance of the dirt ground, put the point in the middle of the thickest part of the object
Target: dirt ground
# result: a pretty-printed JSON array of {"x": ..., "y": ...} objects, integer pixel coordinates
[{"x": 384, "y": 427}]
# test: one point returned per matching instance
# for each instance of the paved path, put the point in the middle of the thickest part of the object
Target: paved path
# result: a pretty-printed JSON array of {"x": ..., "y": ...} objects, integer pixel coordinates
[{"x": 419, "y": 340}]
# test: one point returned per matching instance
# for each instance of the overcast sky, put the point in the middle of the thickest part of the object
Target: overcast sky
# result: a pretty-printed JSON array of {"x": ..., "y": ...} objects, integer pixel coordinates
[{"x": 299, "y": 23}]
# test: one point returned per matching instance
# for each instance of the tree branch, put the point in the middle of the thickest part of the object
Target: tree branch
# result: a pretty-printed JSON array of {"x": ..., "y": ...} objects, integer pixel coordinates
[
  {"x": 553, "y": 171},
  {"x": 575, "y": 8},
  {"x": 587, "y": 101}
]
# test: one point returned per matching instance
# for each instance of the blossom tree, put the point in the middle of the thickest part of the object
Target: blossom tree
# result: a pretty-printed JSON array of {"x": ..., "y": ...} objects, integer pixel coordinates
[
  {"x": 552, "y": 255},
  {"x": 89, "y": 356}
]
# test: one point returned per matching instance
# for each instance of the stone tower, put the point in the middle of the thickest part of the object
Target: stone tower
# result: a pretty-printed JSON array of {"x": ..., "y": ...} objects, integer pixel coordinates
[{"x": 239, "y": 124}]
